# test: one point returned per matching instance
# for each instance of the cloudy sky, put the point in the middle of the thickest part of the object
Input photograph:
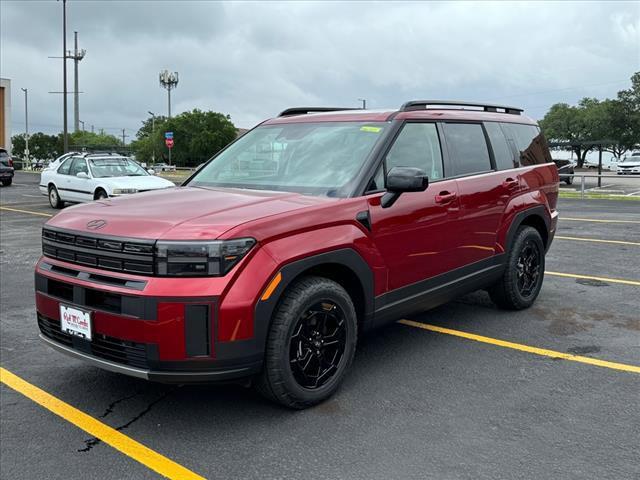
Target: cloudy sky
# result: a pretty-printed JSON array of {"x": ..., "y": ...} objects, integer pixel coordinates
[{"x": 252, "y": 60}]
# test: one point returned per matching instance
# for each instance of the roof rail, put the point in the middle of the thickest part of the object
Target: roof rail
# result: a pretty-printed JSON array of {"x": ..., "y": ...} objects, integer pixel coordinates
[
  {"x": 425, "y": 104},
  {"x": 88, "y": 154},
  {"x": 304, "y": 110}
]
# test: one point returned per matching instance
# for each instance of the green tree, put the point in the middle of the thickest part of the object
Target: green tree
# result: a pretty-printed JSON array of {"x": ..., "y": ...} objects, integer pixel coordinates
[
  {"x": 197, "y": 136},
  {"x": 41, "y": 145}
]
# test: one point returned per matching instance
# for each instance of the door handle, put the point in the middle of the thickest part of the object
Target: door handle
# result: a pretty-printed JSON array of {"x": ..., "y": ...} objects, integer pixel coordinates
[
  {"x": 445, "y": 197},
  {"x": 510, "y": 183}
]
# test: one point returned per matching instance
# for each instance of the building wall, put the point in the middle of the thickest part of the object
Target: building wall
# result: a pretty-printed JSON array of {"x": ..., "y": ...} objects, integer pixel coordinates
[{"x": 5, "y": 114}]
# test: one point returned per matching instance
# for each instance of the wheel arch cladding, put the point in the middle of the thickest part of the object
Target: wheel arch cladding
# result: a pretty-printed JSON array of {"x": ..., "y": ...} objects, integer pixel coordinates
[
  {"x": 535, "y": 217},
  {"x": 344, "y": 266}
]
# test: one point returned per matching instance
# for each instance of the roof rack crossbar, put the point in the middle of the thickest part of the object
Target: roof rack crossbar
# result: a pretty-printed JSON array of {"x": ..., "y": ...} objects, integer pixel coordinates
[
  {"x": 425, "y": 104},
  {"x": 305, "y": 110}
]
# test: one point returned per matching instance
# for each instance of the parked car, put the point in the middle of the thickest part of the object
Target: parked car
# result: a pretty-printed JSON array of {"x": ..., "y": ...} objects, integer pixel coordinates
[
  {"x": 565, "y": 170},
  {"x": 629, "y": 165},
  {"x": 273, "y": 276},
  {"x": 87, "y": 177},
  {"x": 6, "y": 168},
  {"x": 607, "y": 163},
  {"x": 164, "y": 167}
]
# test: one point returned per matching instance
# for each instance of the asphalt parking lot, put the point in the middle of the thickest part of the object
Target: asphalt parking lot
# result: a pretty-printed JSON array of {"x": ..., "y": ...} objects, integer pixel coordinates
[
  {"x": 611, "y": 183},
  {"x": 464, "y": 391}
]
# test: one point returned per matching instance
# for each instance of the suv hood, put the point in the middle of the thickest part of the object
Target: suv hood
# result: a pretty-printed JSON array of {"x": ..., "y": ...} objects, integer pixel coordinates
[{"x": 184, "y": 213}]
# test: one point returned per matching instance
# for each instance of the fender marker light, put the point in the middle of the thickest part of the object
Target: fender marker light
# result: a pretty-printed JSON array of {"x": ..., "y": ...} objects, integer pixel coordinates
[{"x": 275, "y": 281}]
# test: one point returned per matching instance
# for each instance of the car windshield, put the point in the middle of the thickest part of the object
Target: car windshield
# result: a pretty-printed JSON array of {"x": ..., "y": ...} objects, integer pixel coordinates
[
  {"x": 115, "y": 167},
  {"x": 313, "y": 158}
]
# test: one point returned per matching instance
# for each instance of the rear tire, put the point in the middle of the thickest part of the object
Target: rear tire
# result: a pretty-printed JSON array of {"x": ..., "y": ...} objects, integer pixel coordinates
[
  {"x": 569, "y": 180},
  {"x": 54, "y": 198},
  {"x": 524, "y": 272},
  {"x": 311, "y": 344},
  {"x": 7, "y": 182}
]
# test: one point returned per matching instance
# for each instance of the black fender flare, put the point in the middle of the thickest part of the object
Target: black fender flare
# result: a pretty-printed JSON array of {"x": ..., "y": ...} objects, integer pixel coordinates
[
  {"x": 537, "y": 211},
  {"x": 346, "y": 257}
]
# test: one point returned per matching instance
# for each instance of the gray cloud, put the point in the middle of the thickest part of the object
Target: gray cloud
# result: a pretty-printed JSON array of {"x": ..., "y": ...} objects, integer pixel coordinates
[{"x": 252, "y": 59}]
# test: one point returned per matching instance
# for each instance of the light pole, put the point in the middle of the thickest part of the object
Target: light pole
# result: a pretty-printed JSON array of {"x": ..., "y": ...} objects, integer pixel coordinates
[
  {"x": 77, "y": 56},
  {"x": 169, "y": 80},
  {"x": 65, "y": 132},
  {"x": 153, "y": 134},
  {"x": 364, "y": 103},
  {"x": 26, "y": 127},
  {"x": 80, "y": 121}
]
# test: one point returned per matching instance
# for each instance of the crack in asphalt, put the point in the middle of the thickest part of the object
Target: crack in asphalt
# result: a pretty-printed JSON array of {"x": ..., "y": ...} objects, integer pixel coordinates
[{"x": 92, "y": 442}]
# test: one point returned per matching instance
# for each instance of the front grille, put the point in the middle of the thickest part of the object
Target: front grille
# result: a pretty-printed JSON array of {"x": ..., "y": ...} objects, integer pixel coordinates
[
  {"x": 113, "y": 349},
  {"x": 117, "y": 254}
]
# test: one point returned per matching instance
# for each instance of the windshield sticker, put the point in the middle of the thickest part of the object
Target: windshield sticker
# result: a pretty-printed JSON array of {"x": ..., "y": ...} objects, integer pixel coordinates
[{"x": 369, "y": 128}]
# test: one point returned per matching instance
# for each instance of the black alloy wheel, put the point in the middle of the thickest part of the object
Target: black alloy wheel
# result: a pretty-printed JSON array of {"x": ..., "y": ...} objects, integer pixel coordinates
[
  {"x": 317, "y": 344},
  {"x": 528, "y": 268}
]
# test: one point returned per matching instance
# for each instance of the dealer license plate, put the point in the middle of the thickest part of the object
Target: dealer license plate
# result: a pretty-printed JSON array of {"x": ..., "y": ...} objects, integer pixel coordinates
[{"x": 75, "y": 322}]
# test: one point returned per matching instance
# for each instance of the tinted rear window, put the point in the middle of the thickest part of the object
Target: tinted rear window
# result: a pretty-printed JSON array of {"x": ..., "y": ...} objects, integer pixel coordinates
[
  {"x": 530, "y": 142},
  {"x": 468, "y": 148},
  {"x": 502, "y": 152}
]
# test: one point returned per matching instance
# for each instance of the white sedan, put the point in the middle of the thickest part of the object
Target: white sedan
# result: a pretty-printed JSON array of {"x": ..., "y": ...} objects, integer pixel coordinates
[{"x": 87, "y": 177}]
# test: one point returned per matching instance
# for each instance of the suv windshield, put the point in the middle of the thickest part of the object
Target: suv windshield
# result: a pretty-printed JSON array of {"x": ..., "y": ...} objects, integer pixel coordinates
[
  {"x": 312, "y": 158},
  {"x": 115, "y": 167}
]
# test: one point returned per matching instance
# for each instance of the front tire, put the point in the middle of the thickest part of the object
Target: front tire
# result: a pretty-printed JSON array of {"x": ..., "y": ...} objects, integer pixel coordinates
[
  {"x": 7, "y": 182},
  {"x": 100, "y": 195},
  {"x": 524, "y": 272},
  {"x": 569, "y": 180},
  {"x": 311, "y": 343},
  {"x": 54, "y": 198}
]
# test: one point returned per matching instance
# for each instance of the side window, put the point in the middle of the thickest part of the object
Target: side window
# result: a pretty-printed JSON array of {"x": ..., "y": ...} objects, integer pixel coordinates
[
  {"x": 501, "y": 151},
  {"x": 529, "y": 142},
  {"x": 79, "y": 165},
  {"x": 417, "y": 146},
  {"x": 64, "y": 168},
  {"x": 468, "y": 148}
]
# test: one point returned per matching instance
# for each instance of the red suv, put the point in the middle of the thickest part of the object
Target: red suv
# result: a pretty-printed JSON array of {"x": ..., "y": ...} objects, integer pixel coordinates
[{"x": 311, "y": 229}]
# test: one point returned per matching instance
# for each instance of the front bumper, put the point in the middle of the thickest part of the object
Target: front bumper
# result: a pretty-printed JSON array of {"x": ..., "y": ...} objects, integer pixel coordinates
[{"x": 143, "y": 327}]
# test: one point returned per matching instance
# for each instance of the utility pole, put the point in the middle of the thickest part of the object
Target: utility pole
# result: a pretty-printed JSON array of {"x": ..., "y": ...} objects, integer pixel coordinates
[
  {"x": 123, "y": 137},
  {"x": 364, "y": 103},
  {"x": 65, "y": 132},
  {"x": 77, "y": 56},
  {"x": 169, "y": 80},
  {"x": 153, "y": 132},
  {"x": 26, "y": 127},
  {"x": 91, "y": 128}
]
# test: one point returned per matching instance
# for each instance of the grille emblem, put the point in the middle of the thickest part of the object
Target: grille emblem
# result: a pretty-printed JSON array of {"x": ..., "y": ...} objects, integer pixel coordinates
[{"x": 96, "y": 224}]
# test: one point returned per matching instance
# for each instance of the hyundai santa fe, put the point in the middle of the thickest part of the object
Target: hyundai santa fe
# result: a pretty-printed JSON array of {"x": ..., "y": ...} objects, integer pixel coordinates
[{"x": 313, "y": 228}]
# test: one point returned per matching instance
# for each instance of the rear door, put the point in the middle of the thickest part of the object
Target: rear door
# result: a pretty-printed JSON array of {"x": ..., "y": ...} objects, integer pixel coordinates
[
  {"x": 487, "y": 181},
  {"x": 417, "y": 235}
]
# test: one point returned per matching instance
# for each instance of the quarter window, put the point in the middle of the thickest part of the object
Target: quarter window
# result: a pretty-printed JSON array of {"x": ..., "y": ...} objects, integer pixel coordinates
[
  {"x": 529, "y": 142},
  {"x": 502, "y": 153},
  {"x": 417, "y": 146},
  {"x": 468, "y": 148}
]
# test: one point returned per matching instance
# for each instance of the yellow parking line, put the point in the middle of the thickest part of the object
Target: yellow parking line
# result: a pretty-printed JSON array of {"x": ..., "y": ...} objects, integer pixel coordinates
[
  {"x": 31, "y": 212},
  {"x": 524, "y": 348},
  {"x": 597, "y": 240},
  {"x": 119, "y": 441},
  {"x": 591, "y": 277},
  {"x": 600, "y": 220}
]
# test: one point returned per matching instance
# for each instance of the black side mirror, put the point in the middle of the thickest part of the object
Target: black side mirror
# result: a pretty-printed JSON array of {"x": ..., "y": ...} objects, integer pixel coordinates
[{"x": 403, "y": 179}]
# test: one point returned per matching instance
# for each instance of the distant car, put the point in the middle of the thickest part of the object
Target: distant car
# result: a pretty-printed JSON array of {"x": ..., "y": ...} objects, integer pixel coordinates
[
  {"x": 164, "y": 167},
  {"x": 565, "y": 170},
  {"x": 86, "y": 177},
  {"x": 6, "y": 168},
  {"x": 607, "y": 163},
  {"x": 629, "y": 165}
]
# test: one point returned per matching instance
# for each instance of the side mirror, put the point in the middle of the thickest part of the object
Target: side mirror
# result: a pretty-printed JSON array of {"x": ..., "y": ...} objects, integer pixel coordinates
[
  {"x": 403, "y": 179},
  {"x": 82, "y": 175}
]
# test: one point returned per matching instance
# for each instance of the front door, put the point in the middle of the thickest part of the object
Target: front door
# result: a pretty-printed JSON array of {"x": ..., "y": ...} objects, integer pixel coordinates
[{"x": 417, "y": 236}]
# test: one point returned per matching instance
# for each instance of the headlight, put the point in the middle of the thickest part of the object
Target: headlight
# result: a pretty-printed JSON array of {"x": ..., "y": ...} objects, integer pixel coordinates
[
  {"x": 196, "y": 258},
  {"x": 124, "y": 191}
]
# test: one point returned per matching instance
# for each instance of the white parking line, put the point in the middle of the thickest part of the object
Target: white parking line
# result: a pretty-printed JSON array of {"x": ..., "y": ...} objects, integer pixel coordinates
[{"x": 633, "y": 193}]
